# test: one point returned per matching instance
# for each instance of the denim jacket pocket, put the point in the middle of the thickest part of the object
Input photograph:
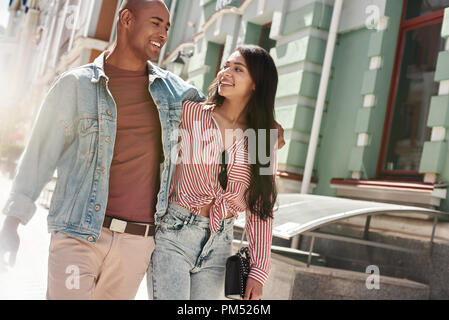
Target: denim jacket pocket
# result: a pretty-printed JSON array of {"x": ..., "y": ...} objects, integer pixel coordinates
[{"x": 88, "y": 137}]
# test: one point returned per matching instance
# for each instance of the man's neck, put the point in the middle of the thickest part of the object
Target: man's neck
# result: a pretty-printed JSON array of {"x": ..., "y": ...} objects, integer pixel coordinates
[{"x": 125, "y": 60}]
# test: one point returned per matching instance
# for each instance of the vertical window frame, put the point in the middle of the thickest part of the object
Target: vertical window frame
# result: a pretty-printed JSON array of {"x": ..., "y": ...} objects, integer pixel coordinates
[{"x": 405, "y": 26}]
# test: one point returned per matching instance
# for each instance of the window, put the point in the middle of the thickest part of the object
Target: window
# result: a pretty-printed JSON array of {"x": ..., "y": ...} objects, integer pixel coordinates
[
  {"x": 220, "y": 57},
  {"x": 412, "y": 86},
  {"x": 168, "y": 3},
  {"x": 214, "y": 55},
  {"x": 265, "y": 41},
  {"x": 260, "y": 35},
  {"x": 417, "y": 8}
]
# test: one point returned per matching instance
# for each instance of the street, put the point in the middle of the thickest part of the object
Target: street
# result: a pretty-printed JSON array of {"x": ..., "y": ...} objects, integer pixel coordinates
[{"x": 28, "y": 279}]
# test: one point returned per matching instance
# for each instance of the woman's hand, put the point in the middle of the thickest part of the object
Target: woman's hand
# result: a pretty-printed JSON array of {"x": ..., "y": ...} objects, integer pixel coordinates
[
  {"x": 253, "y": 290},
  {"x": 281, "y": 141}
]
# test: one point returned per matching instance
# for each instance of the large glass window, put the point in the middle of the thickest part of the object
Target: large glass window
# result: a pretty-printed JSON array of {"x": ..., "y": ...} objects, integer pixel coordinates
[
  {"x": 412, "y": 87},
  {"x": 416, "y": 86},
  {"x": 260, "y": 35},
  {"x": 417, "y": 8},
  {"x": 265, "y": 41}
]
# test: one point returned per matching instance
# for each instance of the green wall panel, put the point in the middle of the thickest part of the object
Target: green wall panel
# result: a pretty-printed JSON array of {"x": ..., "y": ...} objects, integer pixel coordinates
[
  {"x": 439, "y": 112},
  {"x": 304, "y": 49},
  {"x": 212, "y": 55},
  {"x": 301, "y": 83},
  {"x": 363, "y": 120},
  {"x": 376, "y": 44},
  {"x": 345, "y": 102},
  {"x": 338, "y": 153},
  {"x": 316, "y": 15},
  {"x": 252, "y": 34},
  {"x": 208, "y": 9},
  {"x": 442, "y": 69},
  {"x": 356, "y": 159},
  {"x": 445, "y": 27},
  {"x": 293, "y": 153},
  {"x": 433, "y": 157},
  {"x": 295, "y": 117},
  {"x": 369, "y": 82},
  {"x": 176, "y": 30}
]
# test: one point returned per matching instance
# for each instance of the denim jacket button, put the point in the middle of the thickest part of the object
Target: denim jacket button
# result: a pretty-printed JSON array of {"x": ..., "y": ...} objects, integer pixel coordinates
[
  {"x": 102, "y": 170},
  {"x": 109, "y": 112},
  {"x": 108, "y": 139},
  {"x": 97, "y": 207},
  {"x": 90, "y": 239}
]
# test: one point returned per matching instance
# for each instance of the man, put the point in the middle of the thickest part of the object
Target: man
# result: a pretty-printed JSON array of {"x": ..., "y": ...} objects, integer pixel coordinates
[{"x": 101, "y": 126}]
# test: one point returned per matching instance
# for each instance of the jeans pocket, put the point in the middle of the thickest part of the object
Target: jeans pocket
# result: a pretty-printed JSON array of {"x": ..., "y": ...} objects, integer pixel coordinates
[
  {"x": 228, "y": 235},
  {"x": 171, "y": 222}
]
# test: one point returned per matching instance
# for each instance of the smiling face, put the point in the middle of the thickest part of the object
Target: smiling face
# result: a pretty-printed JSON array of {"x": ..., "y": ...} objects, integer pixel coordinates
[
  {"x": 146, "y": 28},
  {"x": 234, "y": 79}
]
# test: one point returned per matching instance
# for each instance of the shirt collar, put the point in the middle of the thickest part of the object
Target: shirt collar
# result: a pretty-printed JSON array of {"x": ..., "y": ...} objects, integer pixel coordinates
[{"x": 154, "y": 72}]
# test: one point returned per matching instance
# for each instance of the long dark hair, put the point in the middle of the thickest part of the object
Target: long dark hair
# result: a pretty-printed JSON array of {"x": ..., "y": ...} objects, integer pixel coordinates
[{"x": 261, "y": 194}]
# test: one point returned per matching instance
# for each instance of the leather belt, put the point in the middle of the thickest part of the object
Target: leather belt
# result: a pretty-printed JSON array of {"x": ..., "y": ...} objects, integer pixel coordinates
[{"x": 122, "y": 226}]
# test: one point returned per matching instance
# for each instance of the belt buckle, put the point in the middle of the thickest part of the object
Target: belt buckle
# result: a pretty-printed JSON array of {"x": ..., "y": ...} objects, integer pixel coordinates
[{"x": 118, "y": 225}]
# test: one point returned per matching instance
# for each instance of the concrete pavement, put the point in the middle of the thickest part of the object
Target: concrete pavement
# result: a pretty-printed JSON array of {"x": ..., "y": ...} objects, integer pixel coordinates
[{"x": 28, "y": 279}]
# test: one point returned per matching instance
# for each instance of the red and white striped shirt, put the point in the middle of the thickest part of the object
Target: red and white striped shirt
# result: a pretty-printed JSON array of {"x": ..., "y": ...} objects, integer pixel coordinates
[{"x": 195, "y": 183}]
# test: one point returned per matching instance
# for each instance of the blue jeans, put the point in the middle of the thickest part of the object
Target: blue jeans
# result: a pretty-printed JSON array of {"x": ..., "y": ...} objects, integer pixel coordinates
[{"x": 189, "y": 261}]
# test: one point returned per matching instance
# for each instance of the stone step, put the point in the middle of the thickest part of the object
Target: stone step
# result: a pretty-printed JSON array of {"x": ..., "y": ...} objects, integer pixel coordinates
[{"x": 291, "y": 279}]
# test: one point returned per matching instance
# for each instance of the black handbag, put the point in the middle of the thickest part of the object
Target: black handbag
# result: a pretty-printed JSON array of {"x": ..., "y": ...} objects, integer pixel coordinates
[{"x": 237, "y": 271}]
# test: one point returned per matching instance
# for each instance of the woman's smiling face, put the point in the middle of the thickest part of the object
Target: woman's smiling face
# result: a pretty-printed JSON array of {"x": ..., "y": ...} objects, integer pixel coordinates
[{"x": 235, "y": 81}]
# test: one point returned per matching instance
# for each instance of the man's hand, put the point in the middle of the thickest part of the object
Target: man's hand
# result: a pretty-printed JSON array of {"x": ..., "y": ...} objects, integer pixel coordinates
[
  {"x": 253, "y": 290},
  {"x": 281, "y": 141},
  {"x": 9, "y": 242}
]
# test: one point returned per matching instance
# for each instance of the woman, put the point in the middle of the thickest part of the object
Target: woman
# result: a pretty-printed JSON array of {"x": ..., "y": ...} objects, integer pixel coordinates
[{"x": 194, "y": 238}]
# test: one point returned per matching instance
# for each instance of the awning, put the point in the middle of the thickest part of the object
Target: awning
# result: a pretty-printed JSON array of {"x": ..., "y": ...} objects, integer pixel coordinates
[{"x": 300, "y": 214}]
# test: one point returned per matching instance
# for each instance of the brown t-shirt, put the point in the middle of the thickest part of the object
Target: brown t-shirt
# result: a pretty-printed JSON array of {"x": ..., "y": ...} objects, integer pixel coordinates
[{"x": 134, "y": 174}]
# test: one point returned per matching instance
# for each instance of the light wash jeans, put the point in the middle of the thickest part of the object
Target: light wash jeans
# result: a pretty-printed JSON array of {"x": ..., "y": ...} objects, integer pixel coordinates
[{"x": 189, "y": 261}]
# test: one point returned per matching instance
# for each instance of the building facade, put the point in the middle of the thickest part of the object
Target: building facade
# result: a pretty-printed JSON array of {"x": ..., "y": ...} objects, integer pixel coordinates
[
  {"x": 384, "y": 130},
  {"x": 45, "y": 38},
  {"x": 383, "y": 134}
]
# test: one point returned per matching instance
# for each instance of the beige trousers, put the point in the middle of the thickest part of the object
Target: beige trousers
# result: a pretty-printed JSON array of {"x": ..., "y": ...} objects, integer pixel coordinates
[{"x": 112, "y": 268}]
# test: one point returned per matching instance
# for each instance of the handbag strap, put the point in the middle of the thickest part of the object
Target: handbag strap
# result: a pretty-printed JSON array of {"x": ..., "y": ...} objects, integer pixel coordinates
[
  {"x": 244, "y": 231},
  {"x": 243, "y": 236}
]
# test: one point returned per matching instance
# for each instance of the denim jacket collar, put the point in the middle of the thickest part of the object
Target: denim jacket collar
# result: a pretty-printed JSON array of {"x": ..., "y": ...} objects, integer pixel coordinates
[{"x": 154, "y": 72}]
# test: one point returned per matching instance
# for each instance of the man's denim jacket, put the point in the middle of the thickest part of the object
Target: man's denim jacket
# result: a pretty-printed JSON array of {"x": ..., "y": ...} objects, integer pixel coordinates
[{"x": 75, "y": 134}]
